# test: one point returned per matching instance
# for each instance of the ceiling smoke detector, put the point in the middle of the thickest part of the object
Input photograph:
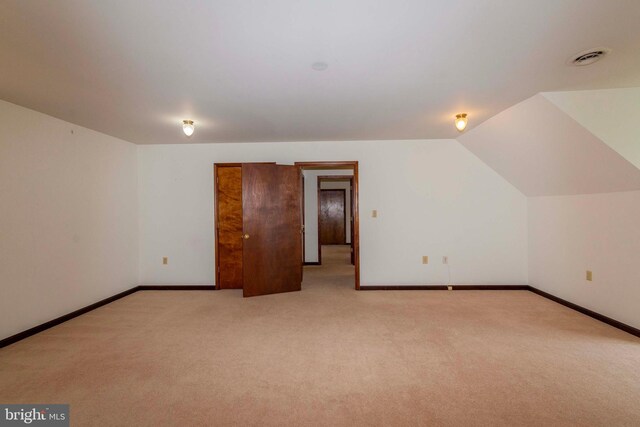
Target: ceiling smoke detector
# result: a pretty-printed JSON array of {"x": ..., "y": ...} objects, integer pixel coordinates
[
  {"x": 319, "y": 66},
  {"x": 588, "y": 57}
]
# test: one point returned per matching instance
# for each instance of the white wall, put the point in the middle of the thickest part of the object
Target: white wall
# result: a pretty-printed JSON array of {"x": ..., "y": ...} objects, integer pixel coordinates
[
  {"x": 311, "y": 209},
  {"x": 68, "y": 209},
  {"x": 433, "y": 198},
  {"x": 599, "y": 232}
]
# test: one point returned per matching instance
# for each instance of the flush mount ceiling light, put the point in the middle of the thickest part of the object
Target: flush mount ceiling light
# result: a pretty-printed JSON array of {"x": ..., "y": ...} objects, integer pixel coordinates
[
  {"x": 461, "y": 121},
  {"x": 319, "y": 66},
  {"x": 589, "y": 56},
  {"x": 187, "y": 127}
]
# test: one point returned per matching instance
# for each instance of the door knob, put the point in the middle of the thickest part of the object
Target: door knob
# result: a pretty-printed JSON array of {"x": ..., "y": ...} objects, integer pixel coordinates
[{"x": 245, "y": 236}]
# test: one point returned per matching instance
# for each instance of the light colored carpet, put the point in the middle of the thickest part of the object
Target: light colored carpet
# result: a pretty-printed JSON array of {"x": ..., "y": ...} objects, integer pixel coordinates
[{"x": 330, "y": 356}]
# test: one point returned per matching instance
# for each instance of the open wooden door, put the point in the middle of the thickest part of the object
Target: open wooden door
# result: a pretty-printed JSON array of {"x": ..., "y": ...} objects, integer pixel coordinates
[{"x": 272, "y": 229}]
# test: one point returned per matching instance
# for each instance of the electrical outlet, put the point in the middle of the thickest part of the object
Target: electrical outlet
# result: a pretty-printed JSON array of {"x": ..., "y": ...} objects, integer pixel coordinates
[
  {"x": 425, "y": 259},
  {"x": 165, "y": 260},
  {"x": 589, "y": 276},
  {"x": 374, "y": 213},
  {"x": 449, "y": 287},
  {"x": 445, "y": 259}
]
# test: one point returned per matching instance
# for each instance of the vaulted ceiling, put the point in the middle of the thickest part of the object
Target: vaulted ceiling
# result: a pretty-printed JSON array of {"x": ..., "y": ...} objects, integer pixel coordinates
[
  {"x": 564, "y": 143},
  {"x": 612, "y": 115},
  {"x": 242, "y": 69}
]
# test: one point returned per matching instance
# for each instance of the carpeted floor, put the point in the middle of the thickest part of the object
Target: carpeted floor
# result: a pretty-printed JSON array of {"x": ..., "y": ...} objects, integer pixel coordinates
[{"x": 330, "y": 356}]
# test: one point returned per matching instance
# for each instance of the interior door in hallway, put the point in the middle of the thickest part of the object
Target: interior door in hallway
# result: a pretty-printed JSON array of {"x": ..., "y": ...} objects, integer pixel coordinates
[
  {"x": 331, "y": 218},
  {"x": 272, "y": 223}
]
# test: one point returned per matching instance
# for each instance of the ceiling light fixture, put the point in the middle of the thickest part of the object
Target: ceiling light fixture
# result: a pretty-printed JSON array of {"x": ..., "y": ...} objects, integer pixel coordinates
[
  {"x": 187, "y": 127},
  {"x": 461, "y": 121}
]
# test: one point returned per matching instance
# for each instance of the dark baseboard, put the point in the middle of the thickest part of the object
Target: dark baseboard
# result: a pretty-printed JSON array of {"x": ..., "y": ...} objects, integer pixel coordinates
[
  {"x": 403, "y": 288},
  {"x": 36, "y": 329},
  {"x": 444, "y": 288},
  {"x": 51, "y": 323},
  {"x": 312, "y": 263},
  {"x": 609, "y": 321},
  {"x": 490, "y": 287},
  {"x": 176, "y": 288},
  {"x": 615, "y": 323}
]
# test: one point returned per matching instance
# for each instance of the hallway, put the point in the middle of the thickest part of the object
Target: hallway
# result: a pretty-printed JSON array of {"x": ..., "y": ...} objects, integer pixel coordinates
[{"x": 336, "y": 271}]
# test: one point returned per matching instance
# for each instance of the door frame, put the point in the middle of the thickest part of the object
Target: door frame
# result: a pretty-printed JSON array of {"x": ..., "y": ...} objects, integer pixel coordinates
[
  {"x": 340, "y": 178},
  {"x": 355, "y": 212}
]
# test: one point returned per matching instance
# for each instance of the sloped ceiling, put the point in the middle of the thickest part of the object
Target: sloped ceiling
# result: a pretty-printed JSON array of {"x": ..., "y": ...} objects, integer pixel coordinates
[
  {"x": 543, "y": 151},
  {"x": 613, "y": 115},
  {"x": 243, "y": 69}
]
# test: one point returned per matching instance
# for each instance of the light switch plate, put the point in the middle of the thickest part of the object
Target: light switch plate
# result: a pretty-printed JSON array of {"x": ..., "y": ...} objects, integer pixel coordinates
[
  {"x": 165, "y": 260},
  {"x": 374, "y": 213},
  {"x": 425, "y": 259},
  {"x": 589, "y": 276}
]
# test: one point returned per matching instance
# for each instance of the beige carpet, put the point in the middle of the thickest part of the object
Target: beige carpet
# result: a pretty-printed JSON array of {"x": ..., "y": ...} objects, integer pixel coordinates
[{"x": 330, "y": 356}]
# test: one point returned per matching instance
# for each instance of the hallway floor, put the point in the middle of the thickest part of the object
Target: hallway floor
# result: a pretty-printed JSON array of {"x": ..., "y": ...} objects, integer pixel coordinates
[{"x": 330, "y": 355}]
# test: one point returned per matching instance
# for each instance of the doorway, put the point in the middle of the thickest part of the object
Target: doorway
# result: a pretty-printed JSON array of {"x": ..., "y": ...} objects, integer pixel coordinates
[
  {"x": 331, "y": 228},
  {"x": 335, "y": 213}
]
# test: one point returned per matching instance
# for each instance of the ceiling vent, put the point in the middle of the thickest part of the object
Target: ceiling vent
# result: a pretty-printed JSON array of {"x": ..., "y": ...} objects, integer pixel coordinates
[{"x": 588, "y": 57}]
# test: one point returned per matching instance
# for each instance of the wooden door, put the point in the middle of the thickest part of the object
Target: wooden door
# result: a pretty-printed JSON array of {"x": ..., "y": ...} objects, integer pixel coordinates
[
  {"x": 229, "y": 226},
  {"x": 272, "y": 249},
  {"x": 332, "y": 219}
]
